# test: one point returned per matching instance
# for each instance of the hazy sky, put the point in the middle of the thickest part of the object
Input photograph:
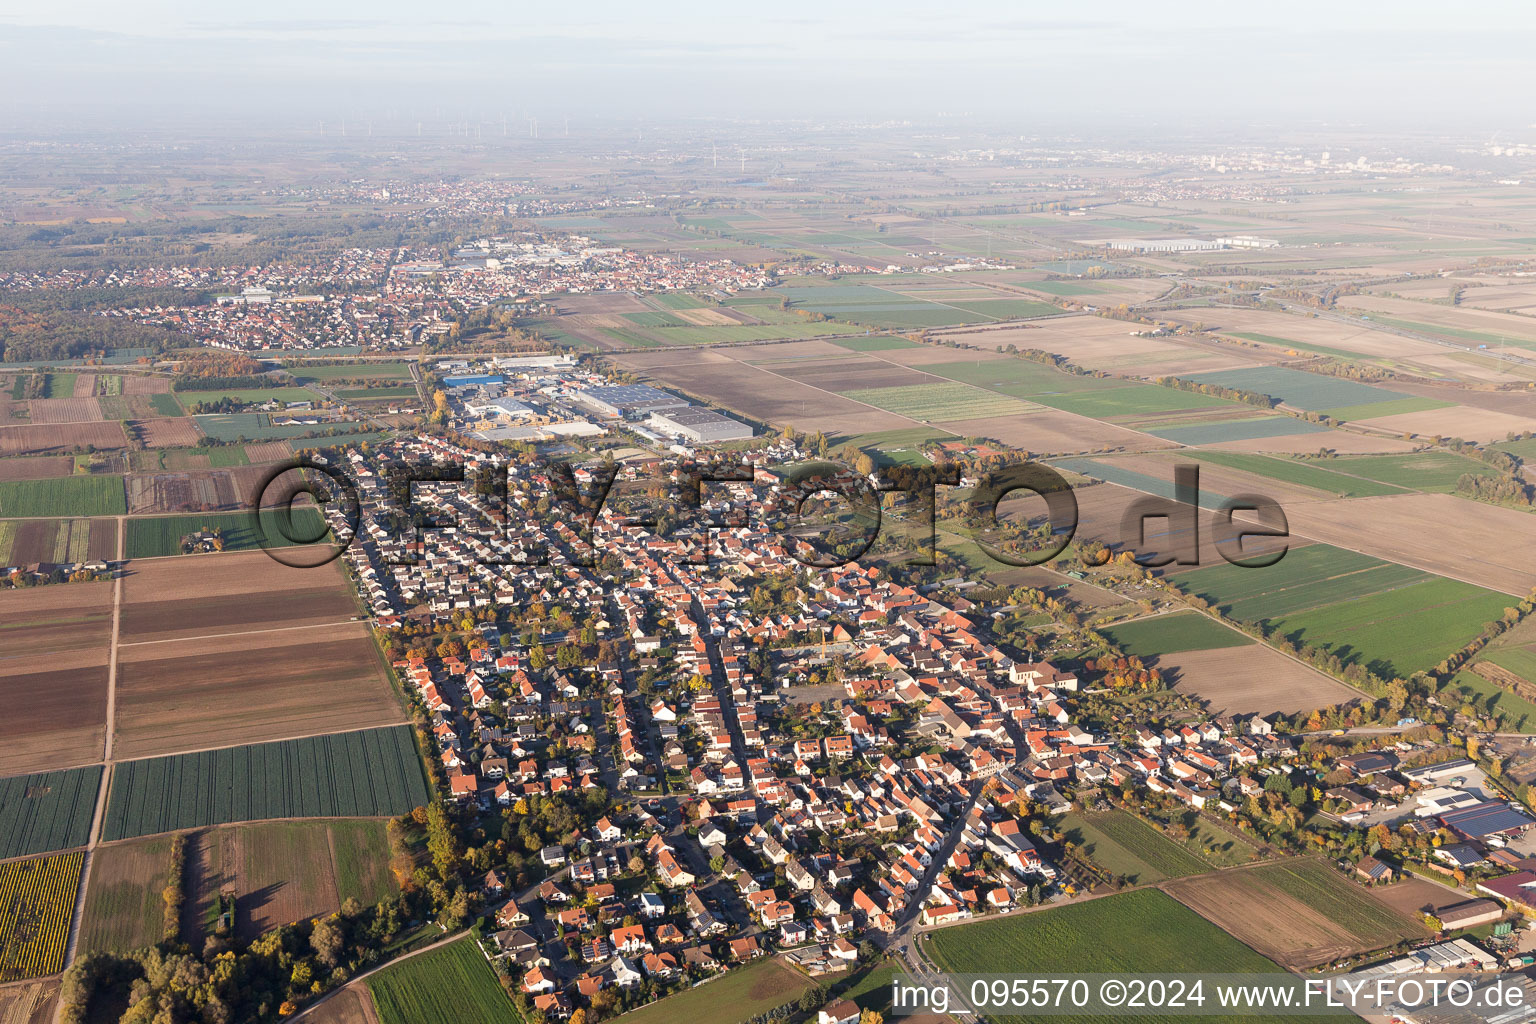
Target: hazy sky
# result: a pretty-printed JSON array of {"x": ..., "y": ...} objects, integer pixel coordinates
[{"x": 1178, "y": 60}]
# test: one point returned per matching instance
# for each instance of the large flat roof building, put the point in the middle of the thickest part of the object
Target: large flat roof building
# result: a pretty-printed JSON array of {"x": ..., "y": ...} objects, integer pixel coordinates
[
  {"x": 629, "y": 400},
  {"x": 700, "y": 425}
]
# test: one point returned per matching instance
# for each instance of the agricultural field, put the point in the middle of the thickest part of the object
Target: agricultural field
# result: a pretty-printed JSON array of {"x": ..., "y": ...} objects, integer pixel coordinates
[
  {"x": 1434, "y": 472},
  {"x": 1334, "y": 396},
  {"x": 304, "y": 373},
  {"x": 450, "y": 985},
  {"x": 1391, "y": 619},
  {"x": 23, "y": 542},
  {"x": 198, "y": 490},
  {"x": 258, "y": 426},
  {"x": 37, "y": 901},
  {"x": 873, "y": 344},
  {"x": 219, "y": 457},
  {"x": 1519, "y": 660},
  {"x": 1170, "y": 634},
  {"x": 1255, "y": 679},
  {"x": 165, "y": 404},
  {"x": 351, "y": 1005},
  {"x": 737, "y": 996},
  {"x": 37, "y": 468},
  {"x": 53, "y": 664},
  {"x": 36, "y": 1003},
  {"x": 47, "y": 811},
  {"x": 165, "y": 432},
  {"x": 63, "y": 496},
  {"x": 1255, "y": 429},
  {"x": 1124, "y": 845},
  {"x": 124, "y": 908},
  {"x": 237, "y": 647},
  {"x": 1320, "y": 475},
  {"x": 886, "y": 307},
  {"x": 1136, "y": 932},
  {"x": 266, "y": 683},
  {"x": 1472, "y": 539},
  {"x": 59, "y": 439},
  {"x": 248, "y": 396},
  {"x": 1300, "y": 913},
  {"x": 360, "y": 855},
  {"x": 374, "y": 394},
  {"x": 940, "y": 401},
  {"x": 369, "y": 773},
  {"x": 218, "y": 595},
  {"x": 159, "y": 536},
  {"x": 1132, "y": 402},
  {"x": 284, "y": 871}
]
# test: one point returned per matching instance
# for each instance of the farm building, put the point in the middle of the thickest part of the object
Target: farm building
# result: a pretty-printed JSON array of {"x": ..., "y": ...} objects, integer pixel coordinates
[
  {"x": 1469, "y": 914},
  {"x": 1518, "y": 888},
  {"x": 1489, "y": 818},
  {"x": 699, "y": 425}
]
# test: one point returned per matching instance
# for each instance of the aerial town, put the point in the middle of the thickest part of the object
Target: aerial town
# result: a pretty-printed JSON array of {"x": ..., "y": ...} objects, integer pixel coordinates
[{"x": 519, "y": 541}]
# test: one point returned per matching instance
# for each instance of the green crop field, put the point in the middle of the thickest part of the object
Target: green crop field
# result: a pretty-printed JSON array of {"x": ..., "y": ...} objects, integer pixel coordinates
[
  {"x": 1372, "y": 410},
  {"x": 48, "y": 811},
  {"x": 248, "y": 396},
  {"x": 656, "y": 319},
  {"x": 304, "y": 372},
  {"x": 1392, "y": 619},
  {"x": 737, "y": 996},
  {"x": 59, "y": 385},
  {"x": 64, "y": 496},
  {"x": 450, "y": 985},
  {"x": 1062, "y": 287},
  {"x": 1124, "y": 845},
  {"x": 1436, "y": 472},
  {"x": 258, "y": 426},
  {"x": 875, "y": 343},
  {"x": 370, "y": 773},
  {"x": 374, "y": 394},
  {"x": 1401, "y": 631},
  {"x": 1290, "y": 471},
  {"x": 1138, "y": 399},
  {"x": 160, "y": 536},
  {"x": 362, "y": 860},
  {"x": 1519, "y": 660},
  {"x": 938, "y": 401},
  {"x": 1238, "y": 430},
  {"x": 1525, "y": 449},
  {"x": 677, "y": 300},
  {"x": 1113, "y": 472},
  {"x": 1137, "y": 932},
  {"x": 1300, "y": 389},
  {"x": 1170, "y": 634},
  {"x": 165, "y": 404},
  {"x": 1009, "y": 309}
]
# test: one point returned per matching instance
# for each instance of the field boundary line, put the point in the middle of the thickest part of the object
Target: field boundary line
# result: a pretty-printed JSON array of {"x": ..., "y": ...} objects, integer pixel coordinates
[
  {"x": 246, "y": 632},
  {"x": 76, "y": 921}
]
